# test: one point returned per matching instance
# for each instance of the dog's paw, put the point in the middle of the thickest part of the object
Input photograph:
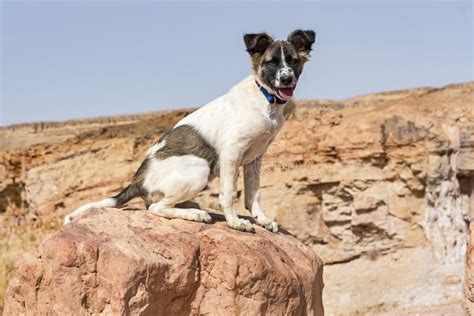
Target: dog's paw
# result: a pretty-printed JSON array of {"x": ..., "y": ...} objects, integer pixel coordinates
[
  {"x": 242, "y": 225},
  {"x": 204, "y": 217},
  {"x": 267, "y": 224}
]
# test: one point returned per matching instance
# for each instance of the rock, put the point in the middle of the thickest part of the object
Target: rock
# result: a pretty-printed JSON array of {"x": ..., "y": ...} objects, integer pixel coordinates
[
  {"x": 468, "y": 301},
  {"x": 133, "y": 262},
  {"x": 364, "y": 203},
  {"x": 422, "y": 284}
]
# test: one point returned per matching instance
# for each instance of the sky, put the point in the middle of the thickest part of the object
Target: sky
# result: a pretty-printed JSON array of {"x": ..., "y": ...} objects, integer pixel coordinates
[{"x": 75, "y": 59}]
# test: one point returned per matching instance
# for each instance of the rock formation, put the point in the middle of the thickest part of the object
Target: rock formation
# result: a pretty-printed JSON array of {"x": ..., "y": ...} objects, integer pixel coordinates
[
  {"x": 379, "y": 186},
  {"x": 468, "y": 301},
  {"x": 116, "y": 262}
]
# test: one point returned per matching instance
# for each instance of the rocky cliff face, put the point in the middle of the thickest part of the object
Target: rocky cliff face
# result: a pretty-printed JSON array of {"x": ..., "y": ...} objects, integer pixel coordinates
[
  {"x": 116, "y": 262},
  {"x": 468, "y": 301},
  {"x": 379, "y": 186}
]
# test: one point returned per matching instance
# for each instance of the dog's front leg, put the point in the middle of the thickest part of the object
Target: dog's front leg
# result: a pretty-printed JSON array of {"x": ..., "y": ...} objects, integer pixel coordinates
[
  {"x": 252, "y": 195},
  {"x": 228, "y": 173}
]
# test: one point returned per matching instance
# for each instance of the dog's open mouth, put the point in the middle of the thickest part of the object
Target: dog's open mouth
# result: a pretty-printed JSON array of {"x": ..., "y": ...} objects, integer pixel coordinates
[{"x": 285, "y": 93}]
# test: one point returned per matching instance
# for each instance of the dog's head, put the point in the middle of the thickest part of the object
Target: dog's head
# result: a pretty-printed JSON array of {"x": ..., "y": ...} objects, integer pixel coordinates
[{"x": 278, "y": 64}]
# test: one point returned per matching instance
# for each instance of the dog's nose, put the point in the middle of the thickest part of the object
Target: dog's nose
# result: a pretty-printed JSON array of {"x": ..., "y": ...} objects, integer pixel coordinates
[{"x": 286, "y": 80}]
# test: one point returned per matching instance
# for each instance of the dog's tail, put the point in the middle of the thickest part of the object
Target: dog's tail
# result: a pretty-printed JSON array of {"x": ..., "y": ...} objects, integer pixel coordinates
[{"x": 131, "y": 191}]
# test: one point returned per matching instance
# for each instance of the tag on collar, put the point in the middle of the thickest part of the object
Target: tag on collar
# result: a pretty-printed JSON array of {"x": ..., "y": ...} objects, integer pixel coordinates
[{"x": 273, "y": 111}]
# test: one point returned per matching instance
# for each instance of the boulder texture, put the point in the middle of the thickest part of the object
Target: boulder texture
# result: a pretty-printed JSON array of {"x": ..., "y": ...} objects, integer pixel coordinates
[{"x": 116, "y": 262}]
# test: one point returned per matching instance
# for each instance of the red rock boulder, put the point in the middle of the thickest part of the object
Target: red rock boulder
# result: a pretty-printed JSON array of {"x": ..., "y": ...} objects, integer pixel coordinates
[{"x": 117, "y": 262}]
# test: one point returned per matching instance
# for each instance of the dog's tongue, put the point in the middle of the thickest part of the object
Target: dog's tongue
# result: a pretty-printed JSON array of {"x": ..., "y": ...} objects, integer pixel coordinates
[{"x": 285, "y": 93}]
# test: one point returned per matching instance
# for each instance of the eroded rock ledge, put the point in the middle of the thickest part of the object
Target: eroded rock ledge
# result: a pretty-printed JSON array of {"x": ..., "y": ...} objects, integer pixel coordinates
[{"x": 132, "y": 262}]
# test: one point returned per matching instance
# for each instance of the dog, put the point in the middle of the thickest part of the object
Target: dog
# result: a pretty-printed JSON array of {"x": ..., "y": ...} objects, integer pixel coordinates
[{"x": 231, "y": 131}]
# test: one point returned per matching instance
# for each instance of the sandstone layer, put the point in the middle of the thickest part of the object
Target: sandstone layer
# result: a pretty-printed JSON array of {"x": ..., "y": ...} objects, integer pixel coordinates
[
  {"x": 115, "y": 262},
  {"x": 468, "y": 301},
  {"x": 379, "y": 186}
]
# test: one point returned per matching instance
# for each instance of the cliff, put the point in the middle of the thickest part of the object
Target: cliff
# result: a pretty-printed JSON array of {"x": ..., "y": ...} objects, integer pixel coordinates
[{"x": 379, "y": 186}]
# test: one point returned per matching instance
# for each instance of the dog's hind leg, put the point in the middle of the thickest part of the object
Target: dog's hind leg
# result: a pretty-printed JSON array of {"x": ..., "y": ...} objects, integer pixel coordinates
[
  {"x": 178, "y": 179},
  {"x": 166, "y": 208}
]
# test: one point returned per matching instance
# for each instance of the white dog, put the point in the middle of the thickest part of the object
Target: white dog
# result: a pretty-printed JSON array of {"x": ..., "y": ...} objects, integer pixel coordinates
[{"x": 233, "y": 130}]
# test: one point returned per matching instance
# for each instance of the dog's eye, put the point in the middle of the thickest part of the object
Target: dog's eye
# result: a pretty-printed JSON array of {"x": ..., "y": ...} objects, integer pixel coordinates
[
  {"x": 273, "y": 62},
  {"x": 292, "y": 61}
]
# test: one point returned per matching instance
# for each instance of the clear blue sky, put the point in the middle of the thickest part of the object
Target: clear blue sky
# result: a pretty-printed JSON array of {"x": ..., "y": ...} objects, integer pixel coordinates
[{"x": 62, "y": 60}]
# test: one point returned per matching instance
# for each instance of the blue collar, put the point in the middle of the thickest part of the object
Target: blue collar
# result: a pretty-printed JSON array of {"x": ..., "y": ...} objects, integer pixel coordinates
[{"x": 272, "y": 99}]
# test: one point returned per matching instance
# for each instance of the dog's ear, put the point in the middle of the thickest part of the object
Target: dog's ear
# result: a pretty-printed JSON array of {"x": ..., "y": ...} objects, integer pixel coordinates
[
  {"x": 302, "y": 41},
  {"x": 257, "y": 43}
]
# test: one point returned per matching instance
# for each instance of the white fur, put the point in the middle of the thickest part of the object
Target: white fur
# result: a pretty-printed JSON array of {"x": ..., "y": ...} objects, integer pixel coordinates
[
  {"x": 238, "y": 121},
  {"x": 240, "y": 129},
  {"x": 110, "y": 202},
  {"x": 165, "y": 208},
  {"x": 179, "y": 177},
  {"x": 284, "y": 71},
  {"x": 153, "y": 149},
  {"x": 252, "y": 194}
]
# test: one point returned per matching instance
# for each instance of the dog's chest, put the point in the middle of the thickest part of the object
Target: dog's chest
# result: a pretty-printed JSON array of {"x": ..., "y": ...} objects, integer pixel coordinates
[{"x": 259, "y": 144}]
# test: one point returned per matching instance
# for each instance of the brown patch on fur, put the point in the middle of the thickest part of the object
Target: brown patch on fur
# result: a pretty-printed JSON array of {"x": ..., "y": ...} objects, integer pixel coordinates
[
  {"x": 256, "y": 61},
  {"x": 180, "y": 141},
  {"x": 185, "y": 140},
  {"x": 257, "y": 44},
  {"x": 259, "y": 58},
  {"x": 304, "y": 57}
]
